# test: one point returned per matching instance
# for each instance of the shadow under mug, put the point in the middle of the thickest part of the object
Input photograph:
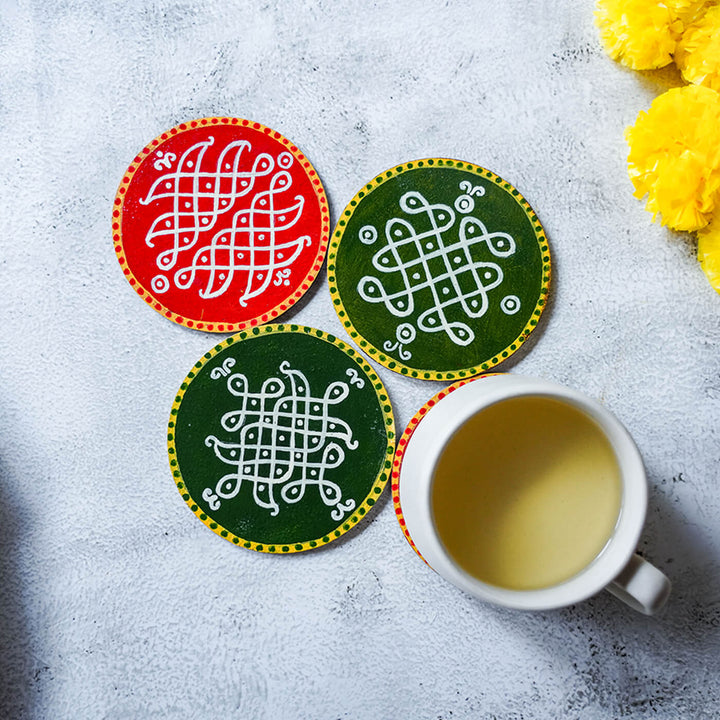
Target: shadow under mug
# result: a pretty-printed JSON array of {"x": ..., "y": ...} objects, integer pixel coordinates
[{"x": 617, "y": 568}]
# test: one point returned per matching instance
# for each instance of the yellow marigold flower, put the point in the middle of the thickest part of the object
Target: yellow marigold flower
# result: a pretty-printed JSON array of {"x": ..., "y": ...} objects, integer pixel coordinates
[
  {"x": 708, "y": 251},
  {"x": 698, "y": 51},
  {"x": 641, "y": 34},
  {"x": 687, "y": 10},
  {"x": 674, "y": 156}
]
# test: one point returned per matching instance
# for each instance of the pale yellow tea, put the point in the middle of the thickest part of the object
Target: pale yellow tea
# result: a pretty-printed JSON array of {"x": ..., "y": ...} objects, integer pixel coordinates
[{"x": 526, "y": 493}]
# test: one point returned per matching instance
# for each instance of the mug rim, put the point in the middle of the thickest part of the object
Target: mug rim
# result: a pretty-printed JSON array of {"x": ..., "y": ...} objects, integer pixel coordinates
[{"x": 444, "y": 419}]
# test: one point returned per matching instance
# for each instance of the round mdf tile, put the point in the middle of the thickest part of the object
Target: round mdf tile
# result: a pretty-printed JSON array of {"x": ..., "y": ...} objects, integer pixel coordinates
[
  {"x": 439, "y": 269},
  {"x": 220, "y": 224},
  {"x": 281, "y": 438}
]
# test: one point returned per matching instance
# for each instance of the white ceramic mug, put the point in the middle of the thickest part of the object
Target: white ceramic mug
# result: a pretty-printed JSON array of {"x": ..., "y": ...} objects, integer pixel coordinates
[{"x": 617, "y": 568}]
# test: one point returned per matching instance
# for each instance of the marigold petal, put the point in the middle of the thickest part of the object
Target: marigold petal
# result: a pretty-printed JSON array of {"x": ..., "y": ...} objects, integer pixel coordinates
[
  {"x": 698, "y": 51},
  {"x": 674, "y": 156},
  {"x": 708, "y": 251},
  {"x": 639, "y": 33},
  {"x": 688, "y": 10}
]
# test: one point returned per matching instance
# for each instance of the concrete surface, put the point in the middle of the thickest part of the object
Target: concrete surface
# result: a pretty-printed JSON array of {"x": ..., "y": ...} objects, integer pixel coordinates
[{"x": 114, "y": 601}]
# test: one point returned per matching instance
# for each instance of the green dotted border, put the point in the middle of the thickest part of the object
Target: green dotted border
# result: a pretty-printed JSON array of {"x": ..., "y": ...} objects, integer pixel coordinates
[
  {"x": 374, "y": 492},
  {"x": 379, "y": 355}
]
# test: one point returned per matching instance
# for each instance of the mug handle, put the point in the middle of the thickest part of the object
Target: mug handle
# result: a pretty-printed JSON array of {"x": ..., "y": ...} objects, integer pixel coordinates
[{"x": 641, "y": 585}]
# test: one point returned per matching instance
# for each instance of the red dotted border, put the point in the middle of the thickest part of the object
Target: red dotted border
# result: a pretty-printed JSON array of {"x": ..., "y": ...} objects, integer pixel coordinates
[
  {"x": 402, "y": 445},
  {"x": 149, "y": 298}
]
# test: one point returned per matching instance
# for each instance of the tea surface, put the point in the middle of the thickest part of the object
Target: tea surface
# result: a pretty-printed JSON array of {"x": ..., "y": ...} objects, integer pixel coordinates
[{"x": 526, "y": 493}]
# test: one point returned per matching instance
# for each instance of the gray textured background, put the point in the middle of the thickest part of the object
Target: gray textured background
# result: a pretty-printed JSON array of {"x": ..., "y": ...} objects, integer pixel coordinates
[{"x": 114, "y": 601}]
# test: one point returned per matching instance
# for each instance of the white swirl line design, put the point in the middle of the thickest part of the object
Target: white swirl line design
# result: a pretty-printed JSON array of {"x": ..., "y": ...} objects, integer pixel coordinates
[
  {"x": 211, "y": 240},
  {"x": 465, "y": 203},
  {"x": 434, "y": 273},
  {"x": 221, "y": 371},
  {"x": 163, "y": 160},
  {"x": 404, "y": 333},
  {"x": 282, "y": 439},
  {"x": 281, "y": 277},
  {"x": 470, "y": 189},
  {"x": 355, "y": 378}
]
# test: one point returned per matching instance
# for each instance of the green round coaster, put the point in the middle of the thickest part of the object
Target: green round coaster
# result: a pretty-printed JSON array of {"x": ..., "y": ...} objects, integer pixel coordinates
[
  {"x": 439, "y": 269},
  {"x": 281, "y": 438}
]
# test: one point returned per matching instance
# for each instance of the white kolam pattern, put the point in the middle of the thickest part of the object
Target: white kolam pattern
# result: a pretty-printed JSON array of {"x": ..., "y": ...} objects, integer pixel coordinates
[
  {"x": 413, "y": 255},
  {"x": 209, "y": 234},
  {"x": 282, "y": 440}
]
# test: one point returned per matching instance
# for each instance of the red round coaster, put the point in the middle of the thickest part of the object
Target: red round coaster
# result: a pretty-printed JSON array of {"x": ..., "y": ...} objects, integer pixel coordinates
[{"x": 220, "y": 224}]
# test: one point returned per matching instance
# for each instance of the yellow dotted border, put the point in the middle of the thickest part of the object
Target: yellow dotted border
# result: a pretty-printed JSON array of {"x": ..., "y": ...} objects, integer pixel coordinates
[
  {"x": 199, "y": 324},
  {"x": 374, "y": 492},
  {"x": 402, "y": 446},
  {"x": 390, "y": 362}
]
